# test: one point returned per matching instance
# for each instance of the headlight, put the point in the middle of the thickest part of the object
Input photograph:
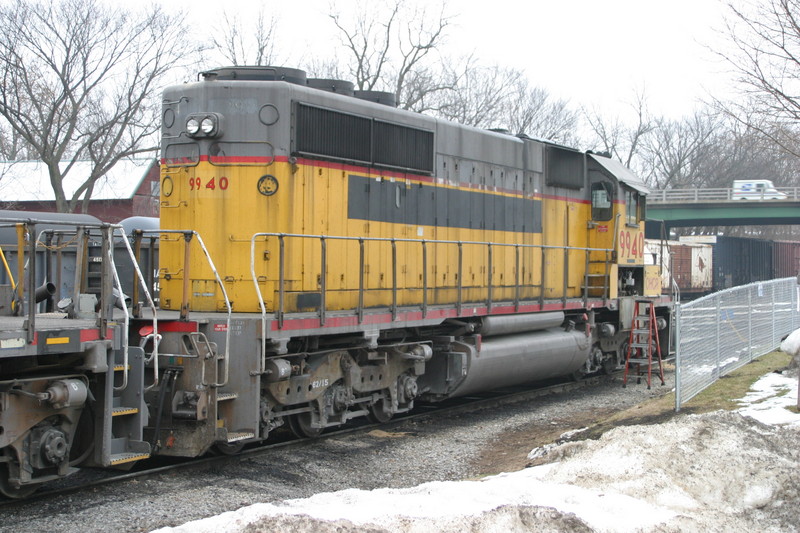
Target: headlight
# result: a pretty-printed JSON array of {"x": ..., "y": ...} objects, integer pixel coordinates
[
  {"x": 204, "y": 125},
  {"x": 192, "y": 126},
  {"x": 208, "y": 125}
]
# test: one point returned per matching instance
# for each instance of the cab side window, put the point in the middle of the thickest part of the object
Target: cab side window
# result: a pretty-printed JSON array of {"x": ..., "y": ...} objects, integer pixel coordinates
[
  {"x": 602, "y": 200},
  {"x": 634, "y": 207}
]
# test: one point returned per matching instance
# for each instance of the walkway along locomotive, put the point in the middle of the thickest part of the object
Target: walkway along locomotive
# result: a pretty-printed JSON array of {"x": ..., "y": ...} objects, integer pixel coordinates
[{"x": 325, "y": 256}]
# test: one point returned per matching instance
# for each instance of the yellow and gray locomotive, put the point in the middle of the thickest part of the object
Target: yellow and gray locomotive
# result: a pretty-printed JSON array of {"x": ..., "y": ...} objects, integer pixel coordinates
[
  {"x": 326, "y": 256},
  {"x": 370, "y": 256}
]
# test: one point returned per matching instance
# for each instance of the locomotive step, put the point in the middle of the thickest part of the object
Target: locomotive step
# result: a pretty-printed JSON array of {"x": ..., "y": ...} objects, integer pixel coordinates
[
  {"x": 122, "y": 411},
  {"x": 223, "y": 396},
  {"x": 122, "y": 458},
  {"x": 641, "y": 331},
  {"x": 236, "y": 436}
]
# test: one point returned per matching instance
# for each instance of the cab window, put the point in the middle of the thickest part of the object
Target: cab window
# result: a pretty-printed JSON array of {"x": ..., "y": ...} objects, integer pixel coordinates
[
  {"x": 602, "y": 200},
  {"x": 634, "y": 207}
]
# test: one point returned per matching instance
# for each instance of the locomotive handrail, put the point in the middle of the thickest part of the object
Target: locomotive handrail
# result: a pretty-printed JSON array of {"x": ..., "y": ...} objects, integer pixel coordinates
[
  {"x": 393, "y": 242},
  {"x": 489, "y": 277},
  {"x": 322, "y": 284},
  {"x": 429, "y": 241},
  {"x": 109, "y": 236},
  {"x": 26, "y": 230},
  {"x": 149, "y": 282},
  {"x": 107, "y": 232},
  {"x": 150, "y": 301},
  {"x": 188, "y": 234},
  {"x": 261, "y": 298}
]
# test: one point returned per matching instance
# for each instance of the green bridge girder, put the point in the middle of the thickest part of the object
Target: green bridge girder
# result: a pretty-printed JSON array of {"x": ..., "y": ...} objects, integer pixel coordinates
[{"x": 725, "y": 213}]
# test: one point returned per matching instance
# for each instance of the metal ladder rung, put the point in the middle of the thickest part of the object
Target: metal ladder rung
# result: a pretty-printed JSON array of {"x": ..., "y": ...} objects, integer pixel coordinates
[
  {"x": 122, "y": 411},
  {"x": 642, "y": 334},
  {"x": 643, "y": 361}
]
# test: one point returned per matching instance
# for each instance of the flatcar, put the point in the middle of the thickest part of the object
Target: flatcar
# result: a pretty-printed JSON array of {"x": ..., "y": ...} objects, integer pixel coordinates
[{"x": 325, "y": 256}]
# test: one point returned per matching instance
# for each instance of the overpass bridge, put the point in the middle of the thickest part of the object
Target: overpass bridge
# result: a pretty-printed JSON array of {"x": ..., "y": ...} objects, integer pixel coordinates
[{"x": 716, "y": 207}]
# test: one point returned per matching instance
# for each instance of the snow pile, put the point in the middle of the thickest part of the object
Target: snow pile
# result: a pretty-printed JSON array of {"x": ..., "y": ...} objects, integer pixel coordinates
[
  {"x": 720, "y": 471},
  {"x": 791, "y": 345},
  {"x": 768, "y": 399}
]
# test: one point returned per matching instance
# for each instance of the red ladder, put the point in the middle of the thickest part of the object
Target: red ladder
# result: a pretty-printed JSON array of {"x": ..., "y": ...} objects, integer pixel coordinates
[{"x": 641, "y": 341}]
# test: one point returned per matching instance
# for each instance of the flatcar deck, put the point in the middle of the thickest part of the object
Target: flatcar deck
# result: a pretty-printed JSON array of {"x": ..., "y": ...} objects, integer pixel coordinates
[{"x": 54, "y": 333}]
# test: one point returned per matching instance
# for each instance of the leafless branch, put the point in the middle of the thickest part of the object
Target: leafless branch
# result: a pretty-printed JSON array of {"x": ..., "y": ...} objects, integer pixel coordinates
[
  {"x": 391, "y": 47},
  {"x": 249, "y": 41},
  {"x": 80, "y": 81},
  {"x": 765, "y": 59}
]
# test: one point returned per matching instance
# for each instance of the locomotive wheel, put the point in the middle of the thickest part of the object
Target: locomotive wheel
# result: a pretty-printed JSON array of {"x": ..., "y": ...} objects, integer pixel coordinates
[
  {"x": 300, "y": 424},
  {"x": 8, "y": 490},
  {"x": 83, "y": 443},
  {"x": 229, "y": 448},
  {"x": 377, "y": 414},
  {"x": 609, "y": 366}
]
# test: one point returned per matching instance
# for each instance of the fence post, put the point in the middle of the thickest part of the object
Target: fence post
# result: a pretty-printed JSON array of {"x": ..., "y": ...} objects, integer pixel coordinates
[
  {"x": 795, "y": 304},
  {"x": 774, "y": 343},
  {"x": 750, "y": 324},
  {"x": 678, "y": 358},
  {"x": 718, "y": 321}
]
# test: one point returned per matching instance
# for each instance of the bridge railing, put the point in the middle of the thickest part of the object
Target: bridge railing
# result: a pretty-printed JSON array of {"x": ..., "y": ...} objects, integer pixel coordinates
[{"x": 713, "y": 195}]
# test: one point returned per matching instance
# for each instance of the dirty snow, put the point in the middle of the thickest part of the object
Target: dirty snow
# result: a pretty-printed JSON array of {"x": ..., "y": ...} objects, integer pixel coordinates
[{"x": 722, "y": 471}]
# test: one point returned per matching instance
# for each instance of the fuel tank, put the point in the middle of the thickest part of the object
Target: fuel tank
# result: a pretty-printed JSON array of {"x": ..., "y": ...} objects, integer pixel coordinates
[
  {"x": 506, "y": 325},
  {"x": 515, "y": 359}
]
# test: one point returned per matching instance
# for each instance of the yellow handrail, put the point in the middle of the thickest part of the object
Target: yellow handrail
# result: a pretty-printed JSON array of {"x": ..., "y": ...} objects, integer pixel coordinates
[{"x": 8, "y": 269}]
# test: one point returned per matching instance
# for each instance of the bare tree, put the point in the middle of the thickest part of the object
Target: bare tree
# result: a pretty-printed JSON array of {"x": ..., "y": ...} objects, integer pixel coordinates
[
  {"x": 620, "y": 139},
  {"x": 80, "y": 81},
  {"x": 535, "y": 112},
  {"x": 766, "y": 60},
  {"x": 12, "y": 146},
  {"x": 674, "y": 154},
  {"x": 391, "y": 46},
  {"x": 476, "y": 95},
  {"x": 246, "y": 42}
]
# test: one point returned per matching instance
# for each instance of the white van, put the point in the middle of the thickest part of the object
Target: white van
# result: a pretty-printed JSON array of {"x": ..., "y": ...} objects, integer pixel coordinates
[{"x": 756, "y": 190}]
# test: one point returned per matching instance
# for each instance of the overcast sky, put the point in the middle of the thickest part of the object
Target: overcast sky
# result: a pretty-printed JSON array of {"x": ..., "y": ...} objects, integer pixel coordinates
[{"x": 593, "y": 53}]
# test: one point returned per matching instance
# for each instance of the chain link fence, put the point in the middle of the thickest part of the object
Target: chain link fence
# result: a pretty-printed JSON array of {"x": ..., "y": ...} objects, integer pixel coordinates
[{"x": 723, "y": 331}]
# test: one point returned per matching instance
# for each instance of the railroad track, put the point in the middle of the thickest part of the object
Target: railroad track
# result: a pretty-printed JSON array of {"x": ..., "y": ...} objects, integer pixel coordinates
[{"x": 421, "y": 412}]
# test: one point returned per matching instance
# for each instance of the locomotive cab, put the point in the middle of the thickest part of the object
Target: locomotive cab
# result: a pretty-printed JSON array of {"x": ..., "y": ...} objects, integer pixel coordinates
[{"x": 617, "y": 223}]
